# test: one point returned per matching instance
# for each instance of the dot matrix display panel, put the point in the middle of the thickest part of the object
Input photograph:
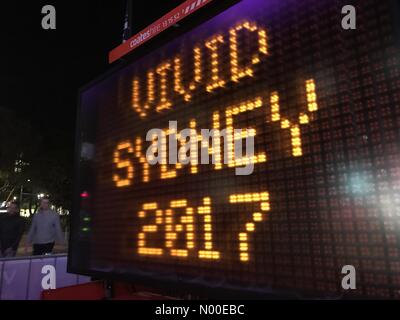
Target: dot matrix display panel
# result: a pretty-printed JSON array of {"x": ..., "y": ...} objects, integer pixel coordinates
[{"x": 322, "y": 104}]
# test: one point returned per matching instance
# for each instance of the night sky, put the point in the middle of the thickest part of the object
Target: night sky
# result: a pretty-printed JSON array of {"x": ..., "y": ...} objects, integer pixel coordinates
[{"x": 42, "y": 70}]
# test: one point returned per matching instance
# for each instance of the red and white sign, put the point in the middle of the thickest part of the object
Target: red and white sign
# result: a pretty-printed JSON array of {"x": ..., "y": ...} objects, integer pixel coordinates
[{"x": 168, "y": 20}]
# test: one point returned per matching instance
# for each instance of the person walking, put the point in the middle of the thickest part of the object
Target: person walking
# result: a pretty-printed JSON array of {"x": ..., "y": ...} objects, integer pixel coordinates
[
  {"x": 11, "y": 230},
  {"x": 45, "y": 229}
]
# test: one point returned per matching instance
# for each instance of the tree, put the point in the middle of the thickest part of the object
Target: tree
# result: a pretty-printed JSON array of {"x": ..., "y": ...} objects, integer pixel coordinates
[
  {"x": 44, "y": 167},
  {"x": 18, "y": 142}
]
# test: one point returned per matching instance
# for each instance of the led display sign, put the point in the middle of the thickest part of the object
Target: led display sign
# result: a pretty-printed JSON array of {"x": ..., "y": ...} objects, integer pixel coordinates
[{"x": 322, "y": 106}]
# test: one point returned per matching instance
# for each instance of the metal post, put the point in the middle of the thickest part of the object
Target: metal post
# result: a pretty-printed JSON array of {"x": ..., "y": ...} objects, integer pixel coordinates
[
  {"x": 127, "y": 33},
  {"x": 129, "y": 9}
]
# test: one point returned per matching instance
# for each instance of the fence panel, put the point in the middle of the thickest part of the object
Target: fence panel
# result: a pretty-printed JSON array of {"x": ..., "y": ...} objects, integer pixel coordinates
[{"x": 25, "y": 278}]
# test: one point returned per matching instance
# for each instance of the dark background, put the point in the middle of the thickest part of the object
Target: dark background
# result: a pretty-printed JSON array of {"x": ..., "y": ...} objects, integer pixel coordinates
[{"x": 40, "y": 74}]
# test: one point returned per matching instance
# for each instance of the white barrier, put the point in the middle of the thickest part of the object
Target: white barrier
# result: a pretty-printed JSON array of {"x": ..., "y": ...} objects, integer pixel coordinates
[{"x": 25, "y": 278}]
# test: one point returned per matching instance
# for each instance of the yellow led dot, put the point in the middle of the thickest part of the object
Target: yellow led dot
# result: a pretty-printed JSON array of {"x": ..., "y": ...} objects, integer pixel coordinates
[
  {"x": 250, "y": 226},
  {"x": 303, "y": 118},
  {"x": 244, "y": 256},
  {"x": 265, "y": 196},
  {"x": 243, "y": 236},
  {"x": 178, "y": 203},
  {"x": 257, "y": 216},
  {"x": 190, "y": 245},
  {"x": 205, "y": 254},
  {"x": 150, "y": 251},
  {"x": 265, "y": 206},
  {"x": 231, "y": 136},
  {"x": 190, "y": 236},
  {"x": 168, "y": 220},
  {"x": 215, "y": 255},
  {"x": 285, "y": 124},
  {"x": 179, "y": 253},
  {"x": 150, "y": 228}
]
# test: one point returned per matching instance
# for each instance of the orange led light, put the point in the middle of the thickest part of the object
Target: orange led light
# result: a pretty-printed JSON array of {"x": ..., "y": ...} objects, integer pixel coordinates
[
  {"x": 208, "y": 253},
  {"x": 311, "y": 96},
  {"x": 136, "y": 104},
  {"x": 230, "y": 137},
  {"x": 164, "y": 102},
  {"x": 179, "y": 87},
  {"x": 165, "y": 173},
  {"x": 241, "y": 72},
  {"x": 146, "y": 229},
  {"x": 142, "y": 160},
  {"x": 304, "y": 118},
  {"x": 263, "y": 198},
  {"x": 178, "y": 203},
  {"x": 185, "y": 226},
  {"x": 244, "y": 256},
  {"x": 123, "y": 164},
  {"x": 213, "y": 45},
  {"x": 257, "y": 216},
  {"x": 150, "y": 251},
  {"x": 194, "y": 157},
  {"x": 179, "y": 253},
  {"x": 243, "y": 236},
  {"x": 150, "y": 206}
]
